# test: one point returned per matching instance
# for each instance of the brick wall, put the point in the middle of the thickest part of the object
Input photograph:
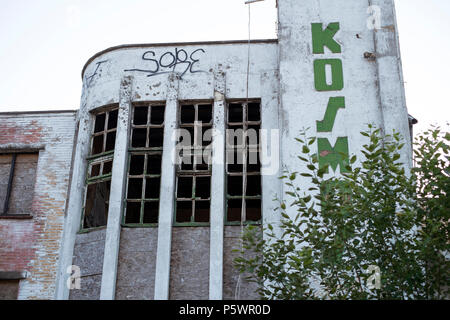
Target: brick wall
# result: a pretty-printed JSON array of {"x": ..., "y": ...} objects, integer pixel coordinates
[
  {"x": 137, "y": 264},
  {"x": 247, "y": 291},
  {"x": 88, "y": 255},
  {"x": 33, "y": 245},
  {"x": 189, "y": 266}
]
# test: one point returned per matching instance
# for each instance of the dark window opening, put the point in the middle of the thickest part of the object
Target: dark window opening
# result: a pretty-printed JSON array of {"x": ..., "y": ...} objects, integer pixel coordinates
[
  {"x": 139, "y": 138},
  {"x": 202, "y": 211},
  {"x": 157, "y": 115},
  {"x": 155, "y": 137},
  {"x": 184, "y": 211},
  {"x": 97, "y": 204},
  {"x": 151, "y": 210},
  {"x": 133, "y": 212},
  {"x": 104, "y": 136},
  {"x": 187, "y": 114},
  {"x": 243, "y": 163},
  {"x": 112, "y": 119}
]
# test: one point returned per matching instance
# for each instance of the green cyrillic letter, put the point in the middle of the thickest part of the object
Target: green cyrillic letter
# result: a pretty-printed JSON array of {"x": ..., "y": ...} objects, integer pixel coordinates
[
  {"x": 320, "y": 76},
  {"x": 334, "y": 104},
  {"x": 322, "y": 38},
  {"x": 334, "y": 156}
]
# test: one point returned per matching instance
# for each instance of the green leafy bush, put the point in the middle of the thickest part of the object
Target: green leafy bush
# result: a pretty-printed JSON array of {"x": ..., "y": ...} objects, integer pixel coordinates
[{"x": 374, "y": 232}]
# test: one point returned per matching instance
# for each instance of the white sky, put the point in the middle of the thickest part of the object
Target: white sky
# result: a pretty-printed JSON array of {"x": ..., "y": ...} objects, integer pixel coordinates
[{"x": 44, "y": 44}]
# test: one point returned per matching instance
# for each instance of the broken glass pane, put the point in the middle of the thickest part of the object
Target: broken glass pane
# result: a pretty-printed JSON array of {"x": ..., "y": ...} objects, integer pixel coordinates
[
  {"x": 137, "y": 164},
  {"x": 184, "y": 211},
  {"x": 140, "y": 115},
  {"x": 151, "y": 210},
  {"x": 138, "y": 140},
  {"x": 201, "y": 211},
  {"x": 112, "y": 119},
  {"x": 96, "y": 208},
  {"x": 157, "y": 115},
  {"x": 133, "y": 213},
  {"x": 100, "y": 123}
]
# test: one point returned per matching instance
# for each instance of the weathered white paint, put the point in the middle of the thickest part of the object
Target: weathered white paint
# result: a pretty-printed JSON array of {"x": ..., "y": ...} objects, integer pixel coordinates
[
  {"x": 217, "y": 189},
  {"x": 270, "y": 150},
  {"x": 118, "y": 182},
  {"x": 390, "y": 77},
  {"x": 72, "y": 219},
  {"x": 302, "y": 105},
  {"x": 167, "y": 200},
  {"x": 232, "y": 58}
]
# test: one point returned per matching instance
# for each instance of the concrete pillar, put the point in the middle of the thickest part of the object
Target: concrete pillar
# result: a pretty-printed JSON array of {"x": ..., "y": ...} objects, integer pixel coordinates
[
  {"x": 72, "y": 220},
  {"x": 390, "y": 76},
  {"x": 270, "y": 147},
  {"x": 166, "y": 202},
  {"x": 119, "y": 177},
  {"x": 217, "y": 189}
]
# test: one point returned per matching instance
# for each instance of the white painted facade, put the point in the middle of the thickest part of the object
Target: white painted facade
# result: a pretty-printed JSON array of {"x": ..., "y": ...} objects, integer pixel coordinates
[{"x": 281, "y": 75}]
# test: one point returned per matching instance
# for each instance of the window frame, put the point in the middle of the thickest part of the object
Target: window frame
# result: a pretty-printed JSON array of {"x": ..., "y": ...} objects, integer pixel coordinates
[
  {"x": 144, "y": 151},
  {"x": 194, "y": 173},
  {"x": 99, "y": 158},
  {"x": 245, "y": 123}
]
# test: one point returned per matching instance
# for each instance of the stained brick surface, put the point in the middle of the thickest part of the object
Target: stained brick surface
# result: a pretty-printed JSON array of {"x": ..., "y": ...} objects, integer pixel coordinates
[
  {"x": 189, "y": 269},
  {"x": 33, "y": 245},
  {"x": 137, "y": 264},
  {"x": 88, "y": 255},
  {"x": 246, "y": 290}
]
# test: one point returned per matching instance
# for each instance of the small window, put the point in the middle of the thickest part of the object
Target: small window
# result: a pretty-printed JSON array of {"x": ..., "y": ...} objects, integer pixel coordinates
[
  {"x": 193, "y": 188},
  {"x": 99, "y": 169},
  {"x": 243, "y": 163},
  {"x": 104, "y": 136},
  {"x": 144, "y": 165},
  {"x": 9, "y": 289},
  {"x": 17, "y": 180}
]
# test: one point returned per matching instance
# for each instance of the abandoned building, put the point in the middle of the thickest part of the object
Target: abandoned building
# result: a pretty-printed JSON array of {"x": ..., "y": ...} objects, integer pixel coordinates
[{"x": 96, "y": 204}]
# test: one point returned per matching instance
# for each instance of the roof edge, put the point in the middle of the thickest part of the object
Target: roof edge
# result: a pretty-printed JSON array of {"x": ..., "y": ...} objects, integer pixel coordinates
[
  {"x": 167, "y": 44},
  {"x": 7, "y": 113}
]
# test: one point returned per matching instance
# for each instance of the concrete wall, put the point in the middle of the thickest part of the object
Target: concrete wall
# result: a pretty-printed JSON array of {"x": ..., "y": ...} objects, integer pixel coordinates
[
  {"x": 88, "y": 256},
  {"x": 141, "y": 73},
  {"x": 362, "y": 52},
  {"x": 33, "y": 245}
]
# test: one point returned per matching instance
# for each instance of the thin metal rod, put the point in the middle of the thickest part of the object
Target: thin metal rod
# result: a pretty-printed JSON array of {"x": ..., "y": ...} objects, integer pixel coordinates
[{"x": 10, "y": 181}]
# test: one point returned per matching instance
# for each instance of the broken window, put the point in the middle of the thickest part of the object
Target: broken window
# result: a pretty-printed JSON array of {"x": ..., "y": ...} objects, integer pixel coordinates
[
  {"x": 17, "y": 180},
  {"x": 243, "y": 163},
  {"x": 144, "y": 165},
  {"x": 193, "y": 188},
  {"x": 99, "y": 169}
]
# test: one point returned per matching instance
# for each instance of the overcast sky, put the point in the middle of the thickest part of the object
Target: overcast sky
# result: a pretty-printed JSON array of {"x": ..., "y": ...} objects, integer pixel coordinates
[{"x": 45, "y": 43}]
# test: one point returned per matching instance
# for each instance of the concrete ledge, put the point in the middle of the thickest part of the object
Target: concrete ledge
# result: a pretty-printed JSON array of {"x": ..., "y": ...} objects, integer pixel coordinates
[
  {"x": 21, "y": 148},
  {"x": 13, "y": 275},
  {"x": 16, "y": 217}
]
